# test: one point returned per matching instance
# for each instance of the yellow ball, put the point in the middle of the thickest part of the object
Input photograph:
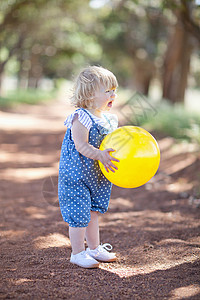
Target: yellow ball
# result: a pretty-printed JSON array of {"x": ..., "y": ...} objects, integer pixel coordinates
[{"x": 138, "y": 153}]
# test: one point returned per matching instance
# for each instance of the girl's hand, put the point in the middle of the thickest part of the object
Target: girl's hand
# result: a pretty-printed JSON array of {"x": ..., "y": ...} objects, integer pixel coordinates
[{"x": 106, "y": 159}]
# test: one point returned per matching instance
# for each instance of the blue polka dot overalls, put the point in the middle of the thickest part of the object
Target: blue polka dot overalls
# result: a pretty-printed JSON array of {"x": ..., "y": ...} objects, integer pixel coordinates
[{"x": 82, "y": 187}]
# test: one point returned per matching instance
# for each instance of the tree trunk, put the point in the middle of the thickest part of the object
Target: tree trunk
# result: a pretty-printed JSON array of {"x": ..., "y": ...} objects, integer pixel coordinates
[
  {"x": 35, "y": 72},
  {"x": 177, "y": 64},
  {"x": 143, "y": 73}
]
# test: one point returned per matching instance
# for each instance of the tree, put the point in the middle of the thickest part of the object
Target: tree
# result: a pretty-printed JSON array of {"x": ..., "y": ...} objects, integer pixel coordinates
[
  {"x": 54, "y": 38},
  {"x": 135, "y": 33},
  {"x": 131, "y": 35},
  {"x": 184, "y": 38},
  {"x": 18, "y": 30},
  {"x": 46, "y": 38}
]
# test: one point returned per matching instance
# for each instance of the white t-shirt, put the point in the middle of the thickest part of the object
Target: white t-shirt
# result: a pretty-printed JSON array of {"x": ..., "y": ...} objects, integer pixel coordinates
[{"x": 109, "y": 121}]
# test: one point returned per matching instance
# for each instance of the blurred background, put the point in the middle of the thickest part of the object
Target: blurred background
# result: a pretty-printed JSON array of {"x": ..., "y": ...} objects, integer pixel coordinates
[{"x": 151, "y": 46}]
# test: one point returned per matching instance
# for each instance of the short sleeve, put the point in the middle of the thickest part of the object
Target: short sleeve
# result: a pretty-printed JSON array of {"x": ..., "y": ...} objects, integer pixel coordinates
[{"x": 83, "y": 118}]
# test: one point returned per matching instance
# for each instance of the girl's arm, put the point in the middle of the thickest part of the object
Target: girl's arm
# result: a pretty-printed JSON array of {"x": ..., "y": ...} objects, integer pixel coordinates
[{"x": 80, "y": 136}]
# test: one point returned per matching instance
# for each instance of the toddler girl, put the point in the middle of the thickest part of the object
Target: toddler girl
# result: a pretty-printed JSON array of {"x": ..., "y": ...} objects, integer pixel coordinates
[{"x": 83, "y": 190}]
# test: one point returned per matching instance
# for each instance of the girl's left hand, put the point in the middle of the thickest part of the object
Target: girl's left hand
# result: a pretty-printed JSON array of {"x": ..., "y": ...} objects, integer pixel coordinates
[{"x": 106, "y": 159}]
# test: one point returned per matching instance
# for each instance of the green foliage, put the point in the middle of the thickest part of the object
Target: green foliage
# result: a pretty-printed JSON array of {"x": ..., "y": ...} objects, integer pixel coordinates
[
  {"x": 174, "y": 121},
  {"x": 39, "y": 34},
  {"x": 55, "y": 39},
  {"x": 30, "y": 96},
  {"x": 130, "y": 32}
]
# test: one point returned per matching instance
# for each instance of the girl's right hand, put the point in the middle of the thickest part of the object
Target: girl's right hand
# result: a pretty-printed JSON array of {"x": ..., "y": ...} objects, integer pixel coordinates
[{"x": 106, "y": 159}]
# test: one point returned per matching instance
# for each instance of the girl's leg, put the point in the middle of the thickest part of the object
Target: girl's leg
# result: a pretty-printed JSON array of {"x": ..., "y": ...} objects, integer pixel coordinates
[
  {"x": 77, "y": 237},
  {"x": 92, "y": 231}
]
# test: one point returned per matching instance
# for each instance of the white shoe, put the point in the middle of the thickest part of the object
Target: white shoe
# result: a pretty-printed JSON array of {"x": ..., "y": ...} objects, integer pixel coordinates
[
  {"x": 101, "y": 253},
  {"x": 84, "y": 260}
]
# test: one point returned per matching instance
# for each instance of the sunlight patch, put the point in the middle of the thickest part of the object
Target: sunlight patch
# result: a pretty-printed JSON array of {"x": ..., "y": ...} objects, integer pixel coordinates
[
  {"x": 52, "y": 240},
  {"x": 23, "y": 157},
  {"x": 10, "y": 121},
  {"x": 35, "y": 212},
  {"x": 121, "y": 203},
  {"x": 124, "y": 272},
  {"x": 24, "y": 174},
  {"x": 128, "y": 271},
  {"x": 22, "y": 280},
  {"x": 180, "y": 165},
  {"x": 186, "y": 291},
  {"x": 179, "y": 187},
  {"x": 12, "y": 233}
]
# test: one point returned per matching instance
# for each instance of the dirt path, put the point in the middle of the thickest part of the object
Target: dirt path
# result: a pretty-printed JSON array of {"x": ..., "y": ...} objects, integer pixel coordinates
[{"x": 154, "y": 229}]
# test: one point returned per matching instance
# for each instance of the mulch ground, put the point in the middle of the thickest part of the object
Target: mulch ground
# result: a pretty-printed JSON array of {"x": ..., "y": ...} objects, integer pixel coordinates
[{"x": 154, "y": 229}]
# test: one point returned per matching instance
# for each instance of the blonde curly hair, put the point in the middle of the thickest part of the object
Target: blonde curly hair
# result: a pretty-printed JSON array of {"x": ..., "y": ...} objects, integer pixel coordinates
[{"x": 88, "y": 81}]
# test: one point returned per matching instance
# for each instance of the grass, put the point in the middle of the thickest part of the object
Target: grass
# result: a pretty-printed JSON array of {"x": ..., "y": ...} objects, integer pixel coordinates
[
  {"x": 29, "y": 96},
  {"x": 173, "y": 120}
]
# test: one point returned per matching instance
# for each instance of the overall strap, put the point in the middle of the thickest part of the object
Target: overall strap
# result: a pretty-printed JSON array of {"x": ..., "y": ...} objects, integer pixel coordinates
[{"x": 100, "y": 128}]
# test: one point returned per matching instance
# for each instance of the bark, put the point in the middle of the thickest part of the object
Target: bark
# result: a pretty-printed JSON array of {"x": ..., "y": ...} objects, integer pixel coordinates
[
  {"x": 185, "y": 37},
  {"x": 144, "y": 72},
  {"x": 12, "y": 51},
  {"x": 35, "y": 72},
  {"x": 177, "y": 64},
  {"x": 187, "y": 20}
]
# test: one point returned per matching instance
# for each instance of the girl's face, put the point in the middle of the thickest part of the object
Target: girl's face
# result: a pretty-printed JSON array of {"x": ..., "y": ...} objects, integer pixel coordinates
[{"x": 103, "y": 98}]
